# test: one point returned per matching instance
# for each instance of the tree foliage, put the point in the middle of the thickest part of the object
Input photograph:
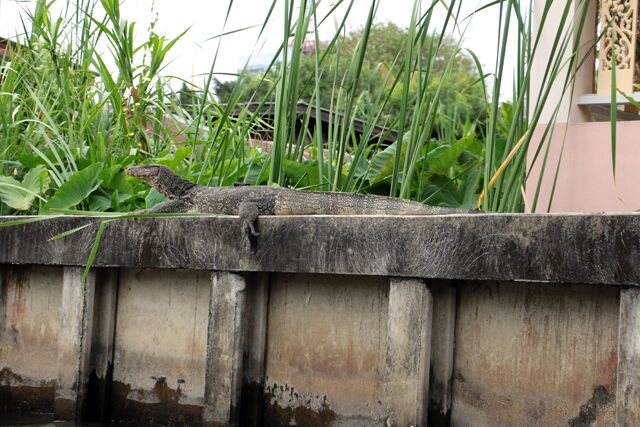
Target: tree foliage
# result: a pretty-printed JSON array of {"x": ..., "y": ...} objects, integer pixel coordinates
[{"x": 461, "y": 90}]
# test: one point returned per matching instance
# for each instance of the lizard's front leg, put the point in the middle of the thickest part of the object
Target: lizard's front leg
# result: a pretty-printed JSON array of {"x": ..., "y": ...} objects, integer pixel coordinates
[{"x": 249, "y": 211}]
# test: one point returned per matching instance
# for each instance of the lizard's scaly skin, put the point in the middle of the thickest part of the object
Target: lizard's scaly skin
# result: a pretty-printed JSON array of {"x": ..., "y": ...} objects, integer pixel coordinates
[{"x": 190, "y": 197}]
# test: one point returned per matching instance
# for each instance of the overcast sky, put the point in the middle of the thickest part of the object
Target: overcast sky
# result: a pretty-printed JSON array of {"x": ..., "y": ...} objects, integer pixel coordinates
[{"x": 193, "y": 54}]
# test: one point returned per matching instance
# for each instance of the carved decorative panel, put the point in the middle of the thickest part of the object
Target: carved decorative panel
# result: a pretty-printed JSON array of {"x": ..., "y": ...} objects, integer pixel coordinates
[{"x": 618, "y": 20}]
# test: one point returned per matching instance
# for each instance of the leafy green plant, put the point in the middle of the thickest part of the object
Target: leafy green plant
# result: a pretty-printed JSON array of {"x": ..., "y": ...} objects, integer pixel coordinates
[
  {"x": 70, "y": 125},
  {"x": 21, "y": 195}
]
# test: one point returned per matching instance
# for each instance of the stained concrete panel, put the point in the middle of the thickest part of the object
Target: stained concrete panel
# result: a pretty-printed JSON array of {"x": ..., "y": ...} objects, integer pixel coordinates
[
  {"x": 30, "y": 300},
  {"x": 628, "y": 398},
  {"x": 535, "y": 355},
  {"x": 325, "y": 350},
  {"x": 160, "y": 345}
]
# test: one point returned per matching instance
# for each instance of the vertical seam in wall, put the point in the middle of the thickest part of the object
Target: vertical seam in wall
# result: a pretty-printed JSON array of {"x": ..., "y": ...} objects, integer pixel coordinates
[
  {"x": 428, "y": 343},
  {"x": 621, "y": 321},
  {"x": 454, "y": 285},
  {"x": 3, "y": 303},
  {"x": 265, "y": 350},
  {"x": 81, "y": 353},
  {"x": 420, "y": 404},
  {"x": 388, "y": 406},
  {"x": 108, "y": 387},
  {"x": 238, "y": 343},
  {"x": 234, "y": 345},
  {"x": 213, "y": 275}
]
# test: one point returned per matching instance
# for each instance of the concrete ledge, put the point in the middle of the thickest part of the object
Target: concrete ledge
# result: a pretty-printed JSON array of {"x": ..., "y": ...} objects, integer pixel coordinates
[{"x": 595, "y": 249}]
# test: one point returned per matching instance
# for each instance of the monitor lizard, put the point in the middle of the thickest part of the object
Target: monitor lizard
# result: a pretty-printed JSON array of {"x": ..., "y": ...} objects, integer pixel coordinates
[{"x": 249, "y": 202}]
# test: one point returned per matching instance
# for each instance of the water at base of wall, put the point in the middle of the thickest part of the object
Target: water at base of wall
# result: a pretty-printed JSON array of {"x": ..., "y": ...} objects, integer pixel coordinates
[{"x": 41, "y": 420}]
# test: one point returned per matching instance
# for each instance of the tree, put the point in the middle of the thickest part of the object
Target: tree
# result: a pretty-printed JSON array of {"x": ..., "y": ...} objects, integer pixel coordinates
[{"x": 460, "y": 88}]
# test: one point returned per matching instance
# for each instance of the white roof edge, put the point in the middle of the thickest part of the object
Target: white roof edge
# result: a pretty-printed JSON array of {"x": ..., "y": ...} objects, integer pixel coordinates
[{"x": 594, "y": 99}]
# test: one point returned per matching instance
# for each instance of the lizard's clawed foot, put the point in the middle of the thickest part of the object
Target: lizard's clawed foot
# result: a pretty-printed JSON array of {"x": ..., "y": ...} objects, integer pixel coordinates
[
  {"x": 249, "y": 227},
  {"x": 250, "y": 237}
]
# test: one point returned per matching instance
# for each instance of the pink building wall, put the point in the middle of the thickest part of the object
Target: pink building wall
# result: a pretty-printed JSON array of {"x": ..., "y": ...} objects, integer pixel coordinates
[{"x": 585, "y": 180}]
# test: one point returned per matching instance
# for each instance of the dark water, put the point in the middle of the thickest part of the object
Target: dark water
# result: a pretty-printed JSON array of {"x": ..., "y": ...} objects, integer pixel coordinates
[{"x": 41, "y": 421}]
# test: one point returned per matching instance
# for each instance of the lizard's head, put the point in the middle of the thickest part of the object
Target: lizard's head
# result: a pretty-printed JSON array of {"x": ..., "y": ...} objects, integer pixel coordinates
[
  {"x": 151, "y": 174},
  {"x": 162, "y": 179}
]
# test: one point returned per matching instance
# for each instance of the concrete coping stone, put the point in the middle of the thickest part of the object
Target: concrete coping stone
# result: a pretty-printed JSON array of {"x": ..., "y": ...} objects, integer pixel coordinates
[{"x": 558, "y": 248}]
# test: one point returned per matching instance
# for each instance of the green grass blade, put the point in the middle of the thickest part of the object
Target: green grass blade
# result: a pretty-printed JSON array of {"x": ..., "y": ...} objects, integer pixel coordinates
[
  {"x": 94, "y": 251},
  {"x": 29, "y": 220},
  {"x": 70, "y": 232},
  {"x": 614, "y": 106}
]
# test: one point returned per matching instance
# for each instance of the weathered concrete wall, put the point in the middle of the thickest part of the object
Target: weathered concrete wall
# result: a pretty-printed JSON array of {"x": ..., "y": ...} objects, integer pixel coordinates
[
  {"x": 326, "y": 349},
  {"x": 628, "y": 390},
  {"x": 316, "y": 346},
  {"x": 581, "y": 249},
  {"x": 29, "y": 326},
  {"x": 160, "y": 346},
  {"x": 535, "y": 355}
]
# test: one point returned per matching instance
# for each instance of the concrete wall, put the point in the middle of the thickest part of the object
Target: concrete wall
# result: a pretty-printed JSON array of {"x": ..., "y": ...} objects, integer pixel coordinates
[
  {"x": 557, "y": 359},
  {"x": 160, "y": 344},
  {"x": 326, "y": 350},
  {"x": 30, "y": 310},
  {"x": 175, "y": 346}
]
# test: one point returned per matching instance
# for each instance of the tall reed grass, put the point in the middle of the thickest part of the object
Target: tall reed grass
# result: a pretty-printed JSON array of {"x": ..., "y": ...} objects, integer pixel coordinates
[{"x": 70, "y": 124}]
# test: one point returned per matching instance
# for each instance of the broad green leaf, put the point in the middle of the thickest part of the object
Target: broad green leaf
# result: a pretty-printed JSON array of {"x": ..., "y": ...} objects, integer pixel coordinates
[
  {"x": 182, "y": 153},
  {"x": 383, "y": 163},
  {"x": 99, "y": 202},
  {"x": 118, "y": 199},
  {"x": 153, "y": 198},
  {"x": 444, "y": 157},
  {"x": 174, "y": 160},
  {"x": 440, "y": 194},
  {"x": 30, "y": 161},
  {"x": 469, "y": 187},
  {"x": 107, "y": 174},
  {"x": 258, "y": 173},
  {"x": 14, "y": 195},
  {"x": 361, "y": 168},
  {"x": 301, "y": 174},
  {"x": 76, "y": 189},
  {"x": 20, "y": 195},
  {"x": 37, "y": 180},
  {"x": 121, "y": 184}
]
